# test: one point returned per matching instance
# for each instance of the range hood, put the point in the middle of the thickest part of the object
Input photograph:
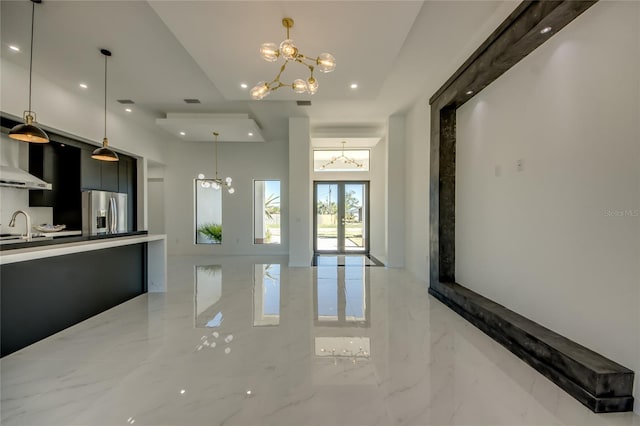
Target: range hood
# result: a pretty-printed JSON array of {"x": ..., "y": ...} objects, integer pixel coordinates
[{"x": 17, "y": 178}]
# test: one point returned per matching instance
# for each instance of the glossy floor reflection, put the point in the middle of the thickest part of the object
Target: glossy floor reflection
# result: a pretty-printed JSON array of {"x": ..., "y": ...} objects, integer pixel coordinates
[{"x": 248, "y": 341}]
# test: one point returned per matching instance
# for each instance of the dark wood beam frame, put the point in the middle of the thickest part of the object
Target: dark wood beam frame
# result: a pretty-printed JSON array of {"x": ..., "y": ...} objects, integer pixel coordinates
[{"x": 597, "y": 382}]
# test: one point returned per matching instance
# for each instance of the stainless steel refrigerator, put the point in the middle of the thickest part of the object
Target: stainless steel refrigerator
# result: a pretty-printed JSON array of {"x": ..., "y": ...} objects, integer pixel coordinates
[{"x": 104, "y": 212}]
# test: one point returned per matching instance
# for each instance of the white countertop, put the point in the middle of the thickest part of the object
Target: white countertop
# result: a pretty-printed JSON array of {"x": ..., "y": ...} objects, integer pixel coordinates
[{"x": 39, "y": 252}]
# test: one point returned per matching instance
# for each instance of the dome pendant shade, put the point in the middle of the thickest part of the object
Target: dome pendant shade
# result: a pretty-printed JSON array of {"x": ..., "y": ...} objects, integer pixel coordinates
[
  {"x": 27, "y": 132},
  {"x": 104, "y": 153}
]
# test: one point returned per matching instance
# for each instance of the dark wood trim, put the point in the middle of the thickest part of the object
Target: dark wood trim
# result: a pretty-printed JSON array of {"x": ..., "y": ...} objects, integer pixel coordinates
[{"x": 574, "y": 368}]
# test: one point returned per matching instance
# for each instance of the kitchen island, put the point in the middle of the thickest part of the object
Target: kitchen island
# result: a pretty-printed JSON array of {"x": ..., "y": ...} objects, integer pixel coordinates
[{"x": 46, "y": 288}]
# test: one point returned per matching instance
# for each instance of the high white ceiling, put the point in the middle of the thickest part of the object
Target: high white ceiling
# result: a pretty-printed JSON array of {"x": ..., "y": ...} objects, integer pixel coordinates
[{"x": 166, "y": 51}]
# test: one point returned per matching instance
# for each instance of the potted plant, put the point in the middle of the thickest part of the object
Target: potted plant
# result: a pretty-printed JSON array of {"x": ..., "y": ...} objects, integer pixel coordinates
[{"x": 212, "y": 231}]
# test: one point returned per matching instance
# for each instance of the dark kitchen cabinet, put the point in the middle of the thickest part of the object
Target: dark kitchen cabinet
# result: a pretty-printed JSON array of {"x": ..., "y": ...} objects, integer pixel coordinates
[
  {"x": 57, "y": 163},
  {"x": 127, "y": 183},
  {"x": 99, "y": 175},
  {"x": 109, "y": 175},
  {"x": 90, "y": 171},
  {"x": 124, "y": 176}
]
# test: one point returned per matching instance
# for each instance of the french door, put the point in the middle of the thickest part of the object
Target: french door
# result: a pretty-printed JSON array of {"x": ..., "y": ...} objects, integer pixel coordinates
[{"x": 341, "y": 219}]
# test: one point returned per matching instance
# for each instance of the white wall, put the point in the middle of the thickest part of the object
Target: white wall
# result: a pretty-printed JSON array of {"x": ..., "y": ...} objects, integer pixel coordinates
[
  {"x": 559, "y": 240},
  {"x": 394, "y": 192},
  {"x": 416, "y": 215},
  {"x": 243, "y": 162}
]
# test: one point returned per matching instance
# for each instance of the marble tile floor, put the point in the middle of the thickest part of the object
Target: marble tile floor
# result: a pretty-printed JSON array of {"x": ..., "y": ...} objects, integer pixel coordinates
[{"x": 248, "y": 341}]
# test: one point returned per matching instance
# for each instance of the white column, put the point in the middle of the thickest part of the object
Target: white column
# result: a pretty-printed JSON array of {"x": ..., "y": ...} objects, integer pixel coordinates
[
  {"x": 394, "y": 190},
  {"x": 300, "y": 247}
]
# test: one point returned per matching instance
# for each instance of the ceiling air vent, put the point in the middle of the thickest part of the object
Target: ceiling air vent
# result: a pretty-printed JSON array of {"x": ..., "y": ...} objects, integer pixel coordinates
[
  {"x": 126, "y": 101},
  {"x": 192, "y": 101},
  {"x": 303, "y": 103}
]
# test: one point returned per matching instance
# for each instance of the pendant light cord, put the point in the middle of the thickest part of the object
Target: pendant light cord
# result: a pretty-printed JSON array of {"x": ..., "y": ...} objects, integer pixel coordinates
[
  {"x": 105, "y": 96},
  {"x": 33, "y": 14},
  {"x": 216, "y": 154}
]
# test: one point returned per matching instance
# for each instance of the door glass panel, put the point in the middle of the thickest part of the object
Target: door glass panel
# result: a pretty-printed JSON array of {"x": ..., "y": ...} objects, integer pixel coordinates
[
  {"x": 354, "y": 217},
  {"x": 327, "y": 217}
]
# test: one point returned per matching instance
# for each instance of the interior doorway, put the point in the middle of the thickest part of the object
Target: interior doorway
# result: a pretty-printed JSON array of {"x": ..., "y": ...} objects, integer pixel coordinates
[{"x": 341, "y": 218}]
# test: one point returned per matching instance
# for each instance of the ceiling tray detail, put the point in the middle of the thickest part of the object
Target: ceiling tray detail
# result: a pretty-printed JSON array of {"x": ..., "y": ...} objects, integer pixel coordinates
[{"x": 200, "y": 127}]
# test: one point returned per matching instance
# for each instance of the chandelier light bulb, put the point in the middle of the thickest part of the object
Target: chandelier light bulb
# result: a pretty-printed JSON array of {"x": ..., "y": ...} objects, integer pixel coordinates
[
  {"x": 231, "y": 190},
  {"x": 326, "y": 62},
  {"x": 201, "y": 176},
  {"x": 228, "y": 180},
  {"x": 299, "y": 85},
  {"x": 288, "y": 49},
  {"x": 206, "y": 184},
  {"x": 312, "y": 85},
  {"x": 260, "y": 90},
  {"x": 215, "y": 185},
  {"x": 269, "y": 52}
]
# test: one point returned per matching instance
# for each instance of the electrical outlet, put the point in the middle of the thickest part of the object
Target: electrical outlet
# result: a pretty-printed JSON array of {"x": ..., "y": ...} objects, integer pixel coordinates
[{"x": 520, "y": 165}]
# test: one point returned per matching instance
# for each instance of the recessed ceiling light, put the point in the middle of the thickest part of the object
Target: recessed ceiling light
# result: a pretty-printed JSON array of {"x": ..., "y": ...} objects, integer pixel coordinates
[
  {"x": 128, "y": 109},
  {"x": 182, "y": 134},
  {"x": 354, "y": 85},
  {"x": 14, "y": 48},
  {"x": 244, "y": 85},
  {"x": 469, "y": 92},
  {"x": 545, "y": 30},
  {"x": 250, "y": 134},
  {"x": 83, "y": 85}
]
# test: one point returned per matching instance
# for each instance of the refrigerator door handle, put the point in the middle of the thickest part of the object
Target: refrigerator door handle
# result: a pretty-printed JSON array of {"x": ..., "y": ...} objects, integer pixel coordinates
[{"x": 113, "y": 215}]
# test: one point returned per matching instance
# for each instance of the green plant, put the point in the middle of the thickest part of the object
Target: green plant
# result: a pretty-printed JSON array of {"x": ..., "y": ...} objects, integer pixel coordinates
[
  {"x": 213, "y": 231},
  {"x": 272, "y": 205}
]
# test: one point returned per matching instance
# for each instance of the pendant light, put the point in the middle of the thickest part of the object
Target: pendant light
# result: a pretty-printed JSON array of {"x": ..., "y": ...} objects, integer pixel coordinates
[
  {"x": 29, "y": 132},
  {"x": 216, "y": 182},
  {"x": 104, "y": 153}
]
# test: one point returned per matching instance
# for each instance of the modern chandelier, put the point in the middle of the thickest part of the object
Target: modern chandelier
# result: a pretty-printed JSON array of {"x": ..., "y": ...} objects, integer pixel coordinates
[
  {"x": 270, "y": 52},
  {"x": 216, "y": 182},
  {"x": 344, "y": 159}
]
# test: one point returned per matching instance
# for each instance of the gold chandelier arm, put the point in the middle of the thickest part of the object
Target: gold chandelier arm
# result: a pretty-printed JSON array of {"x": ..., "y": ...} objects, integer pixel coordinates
[
  {"x": 302, "y": 58},
  {"x": 282, "y": 68}
]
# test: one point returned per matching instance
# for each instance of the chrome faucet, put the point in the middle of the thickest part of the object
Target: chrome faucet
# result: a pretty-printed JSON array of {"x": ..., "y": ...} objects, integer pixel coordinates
[{"x": 12, "y": 223}]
